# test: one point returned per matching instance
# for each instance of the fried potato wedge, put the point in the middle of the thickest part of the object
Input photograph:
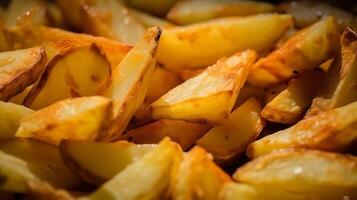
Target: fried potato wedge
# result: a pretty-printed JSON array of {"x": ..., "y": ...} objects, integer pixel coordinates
[
  {"x": 156, "y": 7},
  {"x": 76, "y": 119},
  {"x": 193, "y": 11},
  {"x": 308, "y": 12},
  {"x": 148, "y": 178},
  {"x": 186, "y": 74},
  {"x": 338, "y": 88},
  {"x": 303, "y": 171},
  {"x": 289, "y": 106},
  {"x": 10, "y": 116},
  {"x": 29, "y": 36},
  {"x": 20, "y": 69},
  {"x": 149, "y": 20},
  {"x": 305, "y": 50},
  {"x": 129, "y": 82},
  {"x": 333, "y": 130},
  {"x": 182, "y": 132},
  {"x": 43, "y": 160},
  {"x": 106, "y": 18},
  {"x": 198, "y": 177},
  {"x": 97, "y": 162},
  {"x": 249, "y": 91},
  {"x": 211, "y": 95},
  {"x": 232, "y": 138},
  {"x": 202, "y": 44},
  {"x": 66, "y": 76}
]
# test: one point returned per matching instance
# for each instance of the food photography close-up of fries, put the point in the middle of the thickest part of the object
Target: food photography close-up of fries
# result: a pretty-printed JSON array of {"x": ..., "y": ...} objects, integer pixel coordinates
[{"x": 178, "y": 100}]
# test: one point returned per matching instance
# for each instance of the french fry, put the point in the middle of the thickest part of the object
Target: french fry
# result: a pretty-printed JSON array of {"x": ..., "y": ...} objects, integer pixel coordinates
[
  {"x": 249, "y": 91},
  {"x": 232, "y": 138},
  {"x": 335, "y": 174},
  {"x": 193, "y": 11},
  {"x": 76, "y": 119},
  {"x": 305, "y": 50},
  {"x": 129, "y": 82},
  {"x": 273, "y": 91},
  {"x": 149, "y": 20},
  {"x": 202, "y": 44},
  {"x": 148, "y": 178},
  {"x": 210, "y": 96},
  {"x": 332, "y": 130},
  {"x": 156, "y": 7},
  {"x": 10, "y": 116},
  {"x": 97, "y": 162},
  {"x": 20, "y": 69},
  {"x": 182, "y": 132},
  {"x": 186, "y": 74},
  {"x": 198, "y": 177}
]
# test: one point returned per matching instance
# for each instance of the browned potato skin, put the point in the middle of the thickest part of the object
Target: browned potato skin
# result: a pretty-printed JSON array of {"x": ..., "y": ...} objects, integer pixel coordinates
[{"x": 14, "y": 81}]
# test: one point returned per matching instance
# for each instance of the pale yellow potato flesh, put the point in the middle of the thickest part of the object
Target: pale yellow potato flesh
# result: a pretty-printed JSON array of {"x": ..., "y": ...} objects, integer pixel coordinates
[
  {"x": 289, "y": 106},
  {"x": 156, "y": 7},
  {"x": 249, "y": 91},
  {"x": 303, "y": 171},
  {"x": 150, "y": 20},
  {"x": 97, "y": 162},
  {"x": 333, "y": 130},
  {"x": 202, "y": 44},
  {"x": 105, "y": 18},
  {"x": 148, "y": 178},
  {"x": 43, "y": 160},
  {"x": 20, "y": 69},
  {"x": 10, "y": 116},
  {"x": 67, "y": 76},
  {"x": 305, "y": 50},
  {"x": 193, "y": 11},
  {"x": 210, "y": 96},
  {"x": 198, "y": 177},
  {"x": 76, "y": 119},
  {"x": 182, "y": 132},
  {"x": 234, "y": 135},
  {"x": 129, "y": 82}
]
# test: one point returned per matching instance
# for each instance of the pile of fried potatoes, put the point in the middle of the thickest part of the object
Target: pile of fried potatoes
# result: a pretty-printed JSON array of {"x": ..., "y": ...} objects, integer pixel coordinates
[{"x": 178, "y": 99}]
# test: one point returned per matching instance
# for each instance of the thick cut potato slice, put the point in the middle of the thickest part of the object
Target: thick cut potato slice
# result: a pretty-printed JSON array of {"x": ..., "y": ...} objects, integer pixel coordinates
[
  {"x": 10, "y": 116},
  {"x": 29, "y": 36},
  {"x": 74, "y": 72},
  {"x": 193, "y": 11},
  {"x": 303, "y": 171},
  {"x": 305, "y": 50},
  {"x": 19, "y": 69},
  {"x": 198, "y": 177},
  {"x": 43, "y": 160},
  {"x": 149, "y": 20},
  {"x": 333, "y": 130},
  {"x": 182, "y": 132},
  {"x": 338, "y": 88},
  {"x": 106, "y": 18},
  {"x": 129, "y": 81},
  {"x": 200, "y": 45},
  {"x": 186, "y": 74},
  {"x": 76, "y": 119},
  {"x": 211, "y": 95},
  {"x": 289, "y": 105},
  {"x": 156, "y": 7},
  {"x": 148, "y": 178},
  {"x": 232, "y": 138},
  {"x": 97, "y": 162}
]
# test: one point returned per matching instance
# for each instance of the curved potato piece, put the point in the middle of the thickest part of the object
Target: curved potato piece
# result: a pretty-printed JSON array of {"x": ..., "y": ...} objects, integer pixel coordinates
[
  {"x": 106, "y": 18},
  {"x": 303, "y": 171},
  {"x": 305, "y": 50},
  {"x": 198, "y": 177},
  {"x": 182, "y": 132},
  {"x": 97, "y": 162},
  {"x": 333, "y": 130},
  {"x": 29, "y": 36},
  {"x": 156, "y": 7},
  {"x": 148, "y": 178},
  {"x": 193, "y": 11},
  {"x": 67, "y": 76},
  {"x": 231, "y": 139},
  {"x": 19, "y": 69},
  {"x": 43, "y": 160},
  {"x": 76, "y": 119},
  {"x": 10, "y": 116},
  {"x": 289, "y": 105},
  {"x": 149, "y": 20},
  {"x": 129, "y": 82},
  {"x": 211, "y": 95},
  {"x": 201, "y": 45}
]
